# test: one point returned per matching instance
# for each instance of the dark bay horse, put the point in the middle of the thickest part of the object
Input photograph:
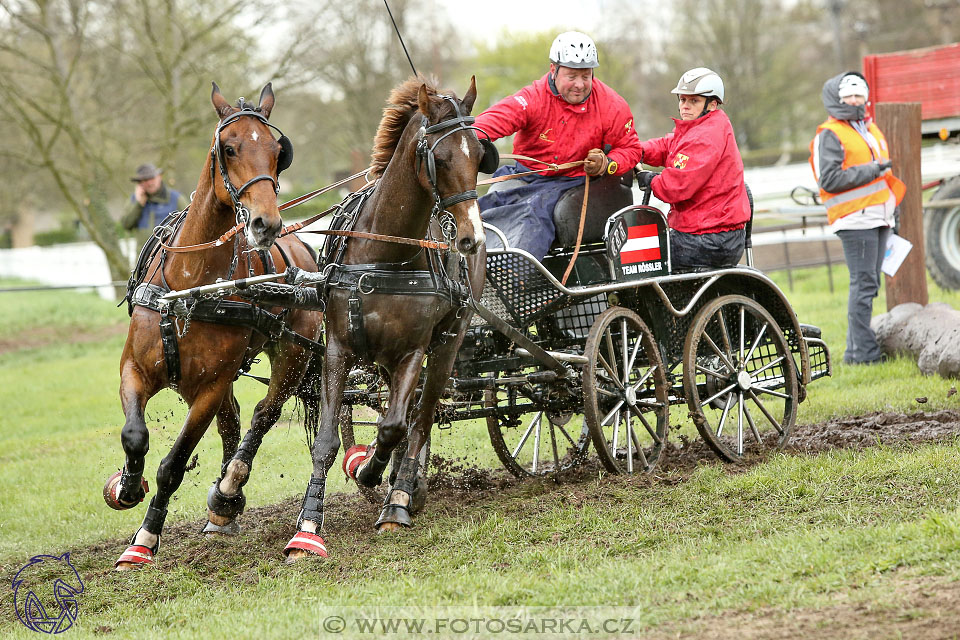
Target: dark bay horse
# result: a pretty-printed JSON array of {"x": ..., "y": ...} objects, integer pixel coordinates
[
  {"x": 207, "y": 355},
  {"x": 426, "y": 157}
]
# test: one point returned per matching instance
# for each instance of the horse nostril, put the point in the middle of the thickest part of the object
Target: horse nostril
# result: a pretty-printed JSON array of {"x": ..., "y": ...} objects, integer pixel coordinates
[{"x": 258, "y": 224}]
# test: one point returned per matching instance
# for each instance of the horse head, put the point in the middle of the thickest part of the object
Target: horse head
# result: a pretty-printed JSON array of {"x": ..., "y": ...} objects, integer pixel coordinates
[
  {"x": 246, "y": 153},
  {"x": 449, "y": 147}
]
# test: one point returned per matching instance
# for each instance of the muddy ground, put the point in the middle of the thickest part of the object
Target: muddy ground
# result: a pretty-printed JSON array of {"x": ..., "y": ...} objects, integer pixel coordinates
[{"x": 924, "y": 607}]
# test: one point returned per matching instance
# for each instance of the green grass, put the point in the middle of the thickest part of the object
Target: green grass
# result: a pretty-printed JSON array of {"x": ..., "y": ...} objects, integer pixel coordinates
[{"x": 792, "y": 532}]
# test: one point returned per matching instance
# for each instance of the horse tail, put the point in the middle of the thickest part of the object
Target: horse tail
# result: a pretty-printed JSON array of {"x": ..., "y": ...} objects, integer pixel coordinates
[{"x": 309, "y": 394}]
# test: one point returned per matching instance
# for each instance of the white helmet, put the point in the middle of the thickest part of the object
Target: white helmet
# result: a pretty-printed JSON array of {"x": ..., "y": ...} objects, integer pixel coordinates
[
  {"x": 700, "y": 82},
  {"x": 575, "y": 50}
]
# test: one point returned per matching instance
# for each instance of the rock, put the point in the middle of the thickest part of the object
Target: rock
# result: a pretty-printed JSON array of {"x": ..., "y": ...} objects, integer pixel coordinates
[{"x": 931, "y": 334}]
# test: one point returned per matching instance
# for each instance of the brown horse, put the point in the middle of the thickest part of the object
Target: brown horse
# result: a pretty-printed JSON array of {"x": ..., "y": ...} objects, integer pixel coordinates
[
  {"x": 206, "y": 356},
  {"x": 426, "y": 157}
]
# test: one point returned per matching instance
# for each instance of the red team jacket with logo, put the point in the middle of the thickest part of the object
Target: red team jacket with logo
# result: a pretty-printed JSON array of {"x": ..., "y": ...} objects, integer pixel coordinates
[
  {"x": 551, "y": 129},
  {"x": 702, "y": 179}
]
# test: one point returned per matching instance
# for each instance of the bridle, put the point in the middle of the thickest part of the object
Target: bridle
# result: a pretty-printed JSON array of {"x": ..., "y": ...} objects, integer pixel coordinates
[
  {"x": 425, "y": 153},
  {"x": 216, "y": 158}
]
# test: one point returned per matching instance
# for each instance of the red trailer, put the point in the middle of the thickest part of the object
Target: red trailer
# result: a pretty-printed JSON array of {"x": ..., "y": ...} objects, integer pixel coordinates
[{"x": 930, "y": 76}]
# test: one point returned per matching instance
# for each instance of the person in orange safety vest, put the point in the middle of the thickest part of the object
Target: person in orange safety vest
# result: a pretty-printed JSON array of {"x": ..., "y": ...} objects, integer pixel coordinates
[{"x": 851, "y": 163}]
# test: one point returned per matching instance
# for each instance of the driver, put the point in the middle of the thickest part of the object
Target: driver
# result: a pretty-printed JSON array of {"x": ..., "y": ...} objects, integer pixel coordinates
[
  {"x": 566, "y": 115},
  {"x": 703, "y": 179}
]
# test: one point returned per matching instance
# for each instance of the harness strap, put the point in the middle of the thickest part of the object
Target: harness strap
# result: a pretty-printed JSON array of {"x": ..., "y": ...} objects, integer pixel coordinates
[
  {"x": 550, "y": 167},
  {"x": 426, "y": 244},
  {"x": 358, "y": 334},
  {"x": 583, "y": 218},
  {"x": 171, "y": 349}
]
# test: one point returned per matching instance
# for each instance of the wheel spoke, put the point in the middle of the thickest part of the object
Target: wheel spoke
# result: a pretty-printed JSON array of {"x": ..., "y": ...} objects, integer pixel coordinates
[
  {"x": 756, "y": 342},
  {"x": 753, "y": 426},
  {"x": 718, "y": 394},
  {"x": 772, "y": 392},
  {"x": 723, "y": 416},
  {"x": 770, "y": 418},
  {"x": 743, "y": 331},
  {"x": 612, "y": 354},
  {"x": 625, "y": 346},
  {"x": 768, "y": 365},
  {"x": 653, "y": 434},
  {"x": 609, "y": 394},
  {"x": 633, "y": 357},
  {"x": 630, "y": 442},
  {"x": 536, "y": 442},
  {"x": 721, "y": 354},
  {"x": 639, "y": 447},
  {"x": 724, "y": 332},
  {"x": 615, "y": 409},
  {"x": 615, "y": 440},
  {"x": 566, "y": 435},
  {"x": 646, "y": 376},
  {"x": 553, "y": 442},
  {"x": 526, "y": 434},
  {"x": 615, "y": 377},
  {"x": 740, "y": 425}
]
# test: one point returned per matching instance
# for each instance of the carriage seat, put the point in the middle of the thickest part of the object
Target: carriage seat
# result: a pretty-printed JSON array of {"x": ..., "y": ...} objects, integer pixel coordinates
[{"x": 608, "y": 194}]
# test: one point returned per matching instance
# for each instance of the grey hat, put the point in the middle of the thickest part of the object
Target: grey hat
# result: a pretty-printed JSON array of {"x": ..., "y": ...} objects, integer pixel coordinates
[{"x": 146, "y": 172}]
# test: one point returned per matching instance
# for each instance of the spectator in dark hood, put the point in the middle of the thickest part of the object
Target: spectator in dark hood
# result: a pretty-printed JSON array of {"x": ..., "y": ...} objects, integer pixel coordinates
[{"x": 851, "y": 163}]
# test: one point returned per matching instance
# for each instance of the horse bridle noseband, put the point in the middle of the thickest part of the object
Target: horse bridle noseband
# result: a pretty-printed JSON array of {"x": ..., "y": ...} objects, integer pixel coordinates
[{"x": 216, "y": 156}]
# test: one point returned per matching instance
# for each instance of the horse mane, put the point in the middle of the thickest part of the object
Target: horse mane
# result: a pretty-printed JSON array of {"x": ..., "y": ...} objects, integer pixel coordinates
[{"x": 402, "y": 104}]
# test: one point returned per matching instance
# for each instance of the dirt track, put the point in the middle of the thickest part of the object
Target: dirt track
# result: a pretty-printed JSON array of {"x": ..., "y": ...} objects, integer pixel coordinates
[{"x": 455, "y": 485}]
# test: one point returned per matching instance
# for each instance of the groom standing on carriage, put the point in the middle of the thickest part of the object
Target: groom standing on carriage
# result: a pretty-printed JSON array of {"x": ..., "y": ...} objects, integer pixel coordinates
[{"x": 564, "y": 117}]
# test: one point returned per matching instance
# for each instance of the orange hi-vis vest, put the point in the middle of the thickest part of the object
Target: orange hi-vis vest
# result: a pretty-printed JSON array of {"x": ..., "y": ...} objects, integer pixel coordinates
[{"x": 856, "y": 151}]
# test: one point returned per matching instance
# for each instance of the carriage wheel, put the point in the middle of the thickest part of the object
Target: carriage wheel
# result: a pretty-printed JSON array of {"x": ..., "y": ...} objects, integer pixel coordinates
[
  {"x": 531, "y": 442},
  {"x": 625, "y": 392},
  {"x": 739, "y": 377}
]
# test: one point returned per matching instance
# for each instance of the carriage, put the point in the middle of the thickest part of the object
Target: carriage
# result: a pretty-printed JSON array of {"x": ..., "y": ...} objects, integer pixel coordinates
[
  {"x": 511, "y": 340},
  {"x": 621, "y": 343}
]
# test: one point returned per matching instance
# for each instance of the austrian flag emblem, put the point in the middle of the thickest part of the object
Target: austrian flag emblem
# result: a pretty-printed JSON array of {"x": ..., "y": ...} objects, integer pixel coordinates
[{"x": 642, "y": 245}]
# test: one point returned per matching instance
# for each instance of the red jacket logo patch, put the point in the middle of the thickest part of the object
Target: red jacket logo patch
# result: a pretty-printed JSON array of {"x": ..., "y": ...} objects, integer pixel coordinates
[{"x": 680, "y": 162}]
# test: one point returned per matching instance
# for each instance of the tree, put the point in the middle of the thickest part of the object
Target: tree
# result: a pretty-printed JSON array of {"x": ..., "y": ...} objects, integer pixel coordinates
[{"x": 85, "y": 81}]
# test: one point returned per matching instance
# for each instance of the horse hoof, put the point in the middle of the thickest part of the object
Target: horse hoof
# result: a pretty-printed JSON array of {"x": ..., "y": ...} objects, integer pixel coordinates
[
  {"x": 353, "y": 458},
  {"x": 304, "y": 544},
  {"x": 135, "y": 557},
  {"x": 111, "y": 492},
  {"x": 219, "y": 526},
  {"x": 393, "y": 517}
]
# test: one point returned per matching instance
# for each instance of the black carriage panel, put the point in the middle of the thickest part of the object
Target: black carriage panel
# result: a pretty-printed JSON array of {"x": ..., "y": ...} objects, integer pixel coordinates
[{"x": 517, "y": 291}]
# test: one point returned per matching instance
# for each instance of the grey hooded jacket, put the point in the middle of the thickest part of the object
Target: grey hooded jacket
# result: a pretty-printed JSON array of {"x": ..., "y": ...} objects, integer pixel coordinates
[{"x": 828, "y": 152}]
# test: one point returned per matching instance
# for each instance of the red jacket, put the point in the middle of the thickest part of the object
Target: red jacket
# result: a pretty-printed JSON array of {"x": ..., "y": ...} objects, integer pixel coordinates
[
  {"x": 703, "y": 176},
  {"x": 551, "y": 129}
]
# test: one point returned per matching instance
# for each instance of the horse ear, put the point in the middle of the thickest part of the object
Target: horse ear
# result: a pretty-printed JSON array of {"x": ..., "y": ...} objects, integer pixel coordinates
[
  {"x": 219, "y": 102},
  {"x": 266, "y": 100},
  {"x": 423, "y": 102},
  {"x": 471, "y": 96}
]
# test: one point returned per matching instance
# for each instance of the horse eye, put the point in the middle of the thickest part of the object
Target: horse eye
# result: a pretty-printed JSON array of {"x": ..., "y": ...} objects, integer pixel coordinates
[{"x": 230, "y": 151}]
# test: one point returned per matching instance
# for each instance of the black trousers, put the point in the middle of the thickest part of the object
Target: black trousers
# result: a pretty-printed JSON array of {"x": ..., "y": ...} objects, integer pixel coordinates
[{"x": 706, "y": 250}]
